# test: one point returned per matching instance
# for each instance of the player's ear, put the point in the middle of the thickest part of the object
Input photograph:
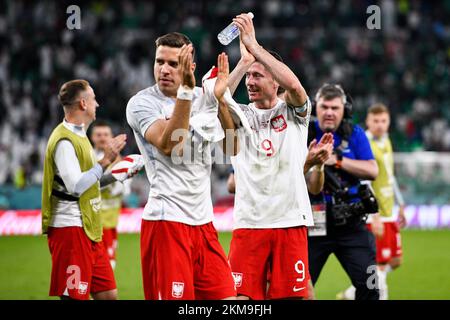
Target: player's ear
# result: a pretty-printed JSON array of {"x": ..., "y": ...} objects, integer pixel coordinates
[
  {"x": 193, "y": 66},
  {"x": 83, "y": 104},
  {"x": 275, "y": 85}
]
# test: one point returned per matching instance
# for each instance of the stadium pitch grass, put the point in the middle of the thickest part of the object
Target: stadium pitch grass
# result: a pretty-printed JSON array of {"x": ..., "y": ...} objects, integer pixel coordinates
[{"x": 25, "y": 268}]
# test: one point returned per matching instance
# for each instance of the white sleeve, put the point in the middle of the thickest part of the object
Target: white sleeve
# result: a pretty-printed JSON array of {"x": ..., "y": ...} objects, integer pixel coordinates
[
  {"x": 66, "y": 161},
  {"x": 126, "y": 187},
  {"x": 142, "y": 113}
]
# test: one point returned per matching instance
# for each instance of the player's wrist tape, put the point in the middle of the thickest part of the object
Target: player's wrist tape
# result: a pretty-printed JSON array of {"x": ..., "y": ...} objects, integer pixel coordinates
[{"x": 185, "y": 93}]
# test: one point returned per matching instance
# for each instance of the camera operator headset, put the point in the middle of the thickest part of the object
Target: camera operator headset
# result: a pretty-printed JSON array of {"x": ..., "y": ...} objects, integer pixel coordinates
[{"x": 340, "y": 210}]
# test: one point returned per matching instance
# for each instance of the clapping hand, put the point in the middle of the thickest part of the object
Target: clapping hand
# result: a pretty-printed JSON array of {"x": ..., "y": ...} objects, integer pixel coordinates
[
  {"x": 318, "y": 153},
  {"x": 222, "y": 76}
]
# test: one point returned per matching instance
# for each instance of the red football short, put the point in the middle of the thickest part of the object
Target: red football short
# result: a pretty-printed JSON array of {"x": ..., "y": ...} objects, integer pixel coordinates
[
  {"x": 279, "y": 256},
  {"x": 80, "y": 266},
  {"x": 389, "y": 245},
  {"x": 180, "y": 261},
  {"x": 110, "y": 242}
]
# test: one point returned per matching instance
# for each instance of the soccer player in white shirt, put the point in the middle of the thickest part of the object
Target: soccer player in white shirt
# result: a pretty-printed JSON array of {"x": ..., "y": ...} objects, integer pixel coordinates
[
  {"x": 181, "y": 256},
  {"x": 272, "y": 208}
]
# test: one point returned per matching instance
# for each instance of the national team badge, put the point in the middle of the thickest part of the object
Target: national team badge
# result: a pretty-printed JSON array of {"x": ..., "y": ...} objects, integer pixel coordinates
[
  {"x": 177, "y": 289},
  {"x": 278, "y": 123},
  {"x": 82, "y": 287},
  {"x": 237, "y": 279}
]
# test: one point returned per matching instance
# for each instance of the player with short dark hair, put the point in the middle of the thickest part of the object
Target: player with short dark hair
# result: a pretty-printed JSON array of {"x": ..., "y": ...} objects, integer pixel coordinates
[{"x": 181, "y": 256}]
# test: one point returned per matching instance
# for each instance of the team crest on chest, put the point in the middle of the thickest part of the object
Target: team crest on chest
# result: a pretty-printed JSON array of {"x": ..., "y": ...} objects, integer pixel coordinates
[{"x": 278, "y": 123}]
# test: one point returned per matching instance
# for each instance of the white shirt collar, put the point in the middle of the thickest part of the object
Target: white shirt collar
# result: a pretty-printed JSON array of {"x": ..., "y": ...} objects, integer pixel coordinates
[
  {"x": 267, "y": 111},
  {"x": 77, "y": 129},
  {"x": 162, "y": 95}
]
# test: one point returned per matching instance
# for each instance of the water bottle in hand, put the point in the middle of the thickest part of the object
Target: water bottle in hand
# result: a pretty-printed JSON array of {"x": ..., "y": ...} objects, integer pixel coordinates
[{"x": 230, "y": 33}]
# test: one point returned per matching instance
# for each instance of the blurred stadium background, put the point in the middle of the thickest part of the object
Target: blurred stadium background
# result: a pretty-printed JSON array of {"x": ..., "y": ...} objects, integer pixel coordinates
[{"x": 404, "y": 65}]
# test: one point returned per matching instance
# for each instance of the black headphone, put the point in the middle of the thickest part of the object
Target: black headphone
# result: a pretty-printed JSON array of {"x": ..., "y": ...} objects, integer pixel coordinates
[{"x": 347, "y": 99}]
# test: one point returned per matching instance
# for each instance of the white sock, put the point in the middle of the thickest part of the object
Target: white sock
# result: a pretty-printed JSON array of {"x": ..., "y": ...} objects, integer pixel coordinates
[
  {"x": 349, "y": 293},
  {"x": 382, "y": 284}
]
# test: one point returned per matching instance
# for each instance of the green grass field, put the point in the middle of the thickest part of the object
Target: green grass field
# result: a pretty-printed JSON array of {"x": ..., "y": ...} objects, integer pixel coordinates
[{"x": 25, "y": 268}]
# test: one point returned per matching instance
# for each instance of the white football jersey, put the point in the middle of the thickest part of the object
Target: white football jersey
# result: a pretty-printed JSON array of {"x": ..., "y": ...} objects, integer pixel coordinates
[{"x": 271, "y": 190}]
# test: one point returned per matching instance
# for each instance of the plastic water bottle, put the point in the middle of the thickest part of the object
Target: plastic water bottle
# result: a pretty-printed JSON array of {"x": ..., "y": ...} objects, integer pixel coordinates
[{"x": 230, "y": 33}]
